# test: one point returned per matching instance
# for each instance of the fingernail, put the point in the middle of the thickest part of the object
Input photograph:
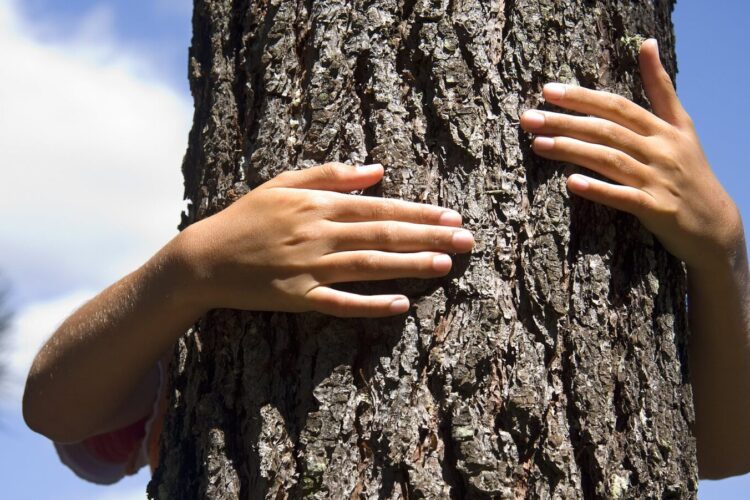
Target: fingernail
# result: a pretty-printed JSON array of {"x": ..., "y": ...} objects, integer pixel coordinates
[
  {"x": 371, "y": 166},
  {"x": 544, "y": 143},
  {"x": 554, "y": 91},
  {"x": 578, "y": 182},
  {"x": 649, "y": 40},
  {"x": 442, "y": 263},
  {"x": 463, "y": 240},
  {"x": 533, "y": 119},
  {"x": 399, "y": 306},
  {"x": 450, "y": 218}
]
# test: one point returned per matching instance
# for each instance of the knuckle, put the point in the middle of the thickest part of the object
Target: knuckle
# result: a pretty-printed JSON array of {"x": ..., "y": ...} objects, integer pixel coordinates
[
  {"x": 300, "y": 235},
  {"x": 617, "y": 106},
  {"x": 364, "y": 262},
  {"x": 425, "y": 213},
  {"x": 284, "y": 177},
  {"x": 608, "y": 132},
  {"x": 659, "y": 152},
  {"x": 339, "y": 307},
  {"x": 615, "y": 160},
  {"x": 674, "y": 190},
  {"x": 666, "y": 80},
  {"x": 612, "y": 103},
  {"x": 387, "y": 233},
  {"x": 670, "y": 162},
  {"x": 641, "y": 202},
  {"x": 441, "y": 239},
  {"x": 668, "y": 210},
  {"x": 331, "y": 170},
  {"x": 317, "y": 202},
  {"x": 328, "y": 171},
  {"x": 386, "y": 210},
  {"x": 370, "y": 262},
  {"x": 555, "y": 120},
  {"x": 334, "y": 203},
  {"x": 666, "y": 159}
]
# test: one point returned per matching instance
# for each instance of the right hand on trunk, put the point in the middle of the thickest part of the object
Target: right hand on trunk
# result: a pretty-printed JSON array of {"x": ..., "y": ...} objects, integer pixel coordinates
[{"x": 279, "y": 247}]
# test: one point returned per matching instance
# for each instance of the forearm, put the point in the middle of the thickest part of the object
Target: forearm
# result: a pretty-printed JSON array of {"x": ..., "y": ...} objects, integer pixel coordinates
[
  {"x": 106, "y": 350},
  {"x": 719, "y": 315}
]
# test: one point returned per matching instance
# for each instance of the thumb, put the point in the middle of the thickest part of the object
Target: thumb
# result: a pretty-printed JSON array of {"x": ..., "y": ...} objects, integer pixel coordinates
[
  {"x": 332, "y": 176},
  {"x": 659, "y": 87}
]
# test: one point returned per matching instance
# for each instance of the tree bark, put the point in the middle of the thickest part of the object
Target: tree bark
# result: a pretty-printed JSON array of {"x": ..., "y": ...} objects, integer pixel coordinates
[{"x": 551, "y": 363}]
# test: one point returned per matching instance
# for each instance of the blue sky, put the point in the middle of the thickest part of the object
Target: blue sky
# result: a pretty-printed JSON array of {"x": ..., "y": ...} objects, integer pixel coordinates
[
  {"x": 160, "y": 29},
  {"x": 65, "y": 240}
]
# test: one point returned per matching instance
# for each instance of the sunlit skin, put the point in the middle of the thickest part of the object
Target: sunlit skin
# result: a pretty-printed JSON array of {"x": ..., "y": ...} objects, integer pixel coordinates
[
  {"x": 282, "y": 246},
  {"x": 279, "y": 247},
  {"x": 660, "y": 174}
]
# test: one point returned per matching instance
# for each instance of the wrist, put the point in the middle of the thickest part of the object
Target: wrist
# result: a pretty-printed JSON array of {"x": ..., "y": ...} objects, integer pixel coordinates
[
  {"x": 727, "y": 250},
  {"x": 729, "y": 266},
  {"x": 180, "y": 274}
]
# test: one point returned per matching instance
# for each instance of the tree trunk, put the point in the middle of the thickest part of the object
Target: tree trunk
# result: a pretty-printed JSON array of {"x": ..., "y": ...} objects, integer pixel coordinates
[{"x": 551, "y": 363}]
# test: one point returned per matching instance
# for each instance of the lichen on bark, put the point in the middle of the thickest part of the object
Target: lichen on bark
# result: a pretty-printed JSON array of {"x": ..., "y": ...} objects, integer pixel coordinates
[{"x": 551, "y": 363}]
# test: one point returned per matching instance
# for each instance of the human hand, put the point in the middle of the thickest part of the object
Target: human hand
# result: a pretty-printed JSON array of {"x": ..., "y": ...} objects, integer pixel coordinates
[
  {"x": 665, "y": 179},
  {"x": 281, "y": 245}
]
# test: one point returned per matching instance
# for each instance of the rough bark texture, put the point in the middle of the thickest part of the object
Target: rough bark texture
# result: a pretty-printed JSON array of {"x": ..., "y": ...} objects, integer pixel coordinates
[{"x": 550, "y": 364}]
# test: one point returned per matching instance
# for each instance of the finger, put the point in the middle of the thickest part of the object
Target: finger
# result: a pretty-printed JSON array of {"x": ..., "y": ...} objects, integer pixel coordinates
[
  {"x": 400, "y": 237},
  {"x": 343, "y": 267},
  {"x": 350, "y": 305},
  {"x": 589, "y": 129},
  {"x": 607, "y": 161},
  {"x": 625, "y": 198},
  {"x": 604, "y": 105},
  {"x": 348, "y": 208},
  {"x": 329, "y": 177},
  {"x": 659, "y": 87}
]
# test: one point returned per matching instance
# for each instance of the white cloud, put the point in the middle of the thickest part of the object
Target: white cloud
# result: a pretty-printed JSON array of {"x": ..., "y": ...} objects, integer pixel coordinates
[{"x": 90, "y": 155}]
